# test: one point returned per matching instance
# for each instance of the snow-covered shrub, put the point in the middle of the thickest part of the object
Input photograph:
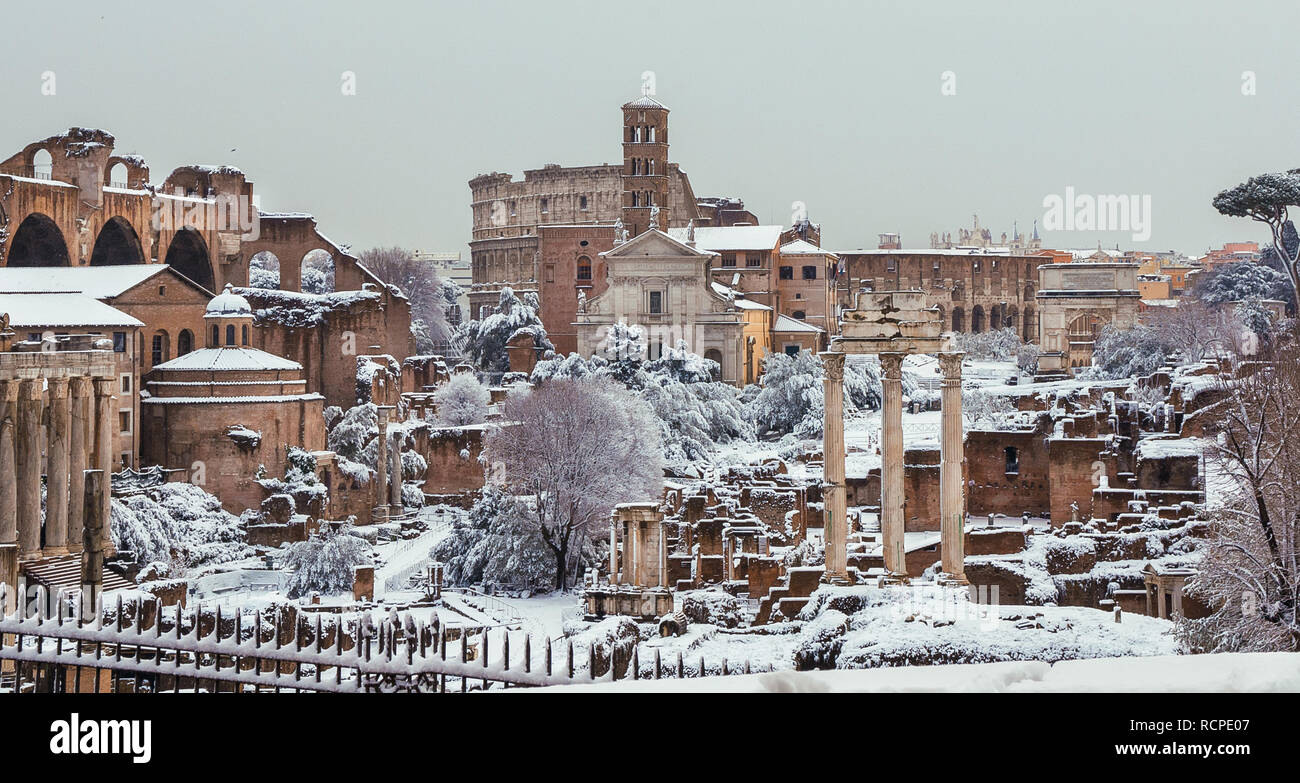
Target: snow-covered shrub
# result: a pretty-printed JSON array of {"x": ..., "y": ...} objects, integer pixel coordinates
[
  {"x": 462, "y": 400},
  {"x": 484, "y": 342},
  {"x": 995, "y": 345},
  {"x": 1126, "y": 353},
  {"x": 695, "y": 413},
  {"x": 326, "y": 562},
  {"x": 711, "y": 606},
  {"x": 495, "y": 544},
  {"x": 613, "y": 637},
  {"x": 1241, "y": 281},
  {"x": 791, "y": 398},
  {"x": 353, "y": 430},
  {"x": 264, "y": 271},
  {"x": 176, "y": 523},
  {"x": 299, "y": 482},
  {"x": 805, "y": 553},
  {"x": 983, "y": 411}
]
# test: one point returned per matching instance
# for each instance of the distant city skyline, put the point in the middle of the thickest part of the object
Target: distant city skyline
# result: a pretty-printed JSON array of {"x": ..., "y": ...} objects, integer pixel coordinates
[{"x": 990, "y": 114}]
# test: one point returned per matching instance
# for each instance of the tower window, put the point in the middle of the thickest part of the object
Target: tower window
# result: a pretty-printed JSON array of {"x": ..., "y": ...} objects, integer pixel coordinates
[
  {"x": 810, "y": 273},
  {"x": 786, "y": 273},
  {"x": 230, "y": 334},
  {"x": 216, "y": 336},
  {"x": 798, "y": 315}
]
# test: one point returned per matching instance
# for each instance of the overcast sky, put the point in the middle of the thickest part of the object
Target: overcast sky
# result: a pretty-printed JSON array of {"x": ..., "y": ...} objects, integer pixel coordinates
[{"x": 837, "y": 105}]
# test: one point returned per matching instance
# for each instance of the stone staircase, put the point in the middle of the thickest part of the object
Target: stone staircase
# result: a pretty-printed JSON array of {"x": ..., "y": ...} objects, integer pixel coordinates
[{"x": 790, "y": 595}]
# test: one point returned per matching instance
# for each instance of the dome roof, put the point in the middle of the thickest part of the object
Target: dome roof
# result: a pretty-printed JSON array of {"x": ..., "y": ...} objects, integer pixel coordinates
[{"x": 228, "y": 304}]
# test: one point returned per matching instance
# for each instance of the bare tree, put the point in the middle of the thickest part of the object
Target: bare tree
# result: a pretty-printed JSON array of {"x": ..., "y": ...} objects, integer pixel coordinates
[
  {"x": 1249, "y": 572},
  {"x": 430, "y": 294},
  {"x": 575, "y": 449}
]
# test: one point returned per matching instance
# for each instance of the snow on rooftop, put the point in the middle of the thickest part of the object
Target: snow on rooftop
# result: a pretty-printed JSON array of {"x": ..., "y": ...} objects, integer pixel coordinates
[
  {"x": 737, "y": 298},
  {"x": 99, "y": 282},
  {"x": 33, "y": 310},
  {"x": 1162, "y": 448},
  {"x": 719, "y": 238},
  {"x": 228, "y": 358},
  {"x": 785, "y": 323},
  {"x": 801, "y": 247}
]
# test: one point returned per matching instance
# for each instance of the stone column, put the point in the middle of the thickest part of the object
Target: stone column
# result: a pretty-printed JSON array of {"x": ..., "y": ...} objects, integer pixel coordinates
[
  {"x": 833, "y": 498},
  {"x": 613, "y": 549},
  {"x": 56, "y": 469},
  {"x": 381, "y": 458},
  {"x": 952, "y": 459},
  {"x": 78, "y": 460},
  {"x": 395, "y": 474},
  {"x": 27, "y": 452},
  {"x": 8, "y": 491},
  {"x": 891, "y": 466},
  {"x": 104, "y": 426}
]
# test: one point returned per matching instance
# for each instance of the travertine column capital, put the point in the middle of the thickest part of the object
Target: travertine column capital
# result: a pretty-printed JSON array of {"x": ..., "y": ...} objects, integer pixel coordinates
[
  {"x": 81, "y": 386},
  {"x": 9, "y": 390},
  {"x": 104, "y": 387},
  {"x": 30, "y": 390},
  {"x": 833, "y": 365},
  {"x": 950, "y": 364},
  {"x": 892, "y": 363},
  {"x": 58, "y": 387}
]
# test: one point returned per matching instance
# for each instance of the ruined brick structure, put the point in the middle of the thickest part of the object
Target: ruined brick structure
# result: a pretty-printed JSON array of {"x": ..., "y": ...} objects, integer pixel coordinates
[{"x": 974, "y": 291}]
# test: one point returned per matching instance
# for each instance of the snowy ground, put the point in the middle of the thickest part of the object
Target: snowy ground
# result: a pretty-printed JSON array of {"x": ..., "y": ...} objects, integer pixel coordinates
[{"x": 1228, "y": 673}]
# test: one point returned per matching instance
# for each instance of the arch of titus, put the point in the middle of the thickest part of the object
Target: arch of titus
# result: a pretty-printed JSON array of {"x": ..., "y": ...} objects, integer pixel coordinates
[
  {"x": 891, "y": 325},
  {"x": 57, "y": 415}
]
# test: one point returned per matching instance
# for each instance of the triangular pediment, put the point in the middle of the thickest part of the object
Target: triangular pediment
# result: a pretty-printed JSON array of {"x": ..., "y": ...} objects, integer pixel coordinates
[{"x": 655, "y": 244}]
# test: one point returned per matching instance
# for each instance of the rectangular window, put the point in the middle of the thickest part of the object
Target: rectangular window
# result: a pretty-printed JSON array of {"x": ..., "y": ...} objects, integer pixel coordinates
[
  {"x": 786, "y": 273},
  {"x": 125, "y": 458},
  {"x": 891, "y": 264},
  {"x": 582, "y": 203},
  {"x": 125, "y": 380},
  {"x": 728, "y": 260},
  {"x": 1013, "y": 460},
  {"x": 753, "y": 260},
  {"x": 124, "y": 422},
  {"x": 656, "y": 302},
  {"x": 810, "y": 273},
  {"x": 550, "y": 273},
  {"x": 792, "y": 350},
  {"x": 936, "y": 265},
  {"x": 119, "y": 342},
  {"x": 544, "y": 209}
]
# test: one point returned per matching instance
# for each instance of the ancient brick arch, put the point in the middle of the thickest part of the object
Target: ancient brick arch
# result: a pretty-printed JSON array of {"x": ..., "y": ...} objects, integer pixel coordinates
[
  {"x": 137, "y": 173},
  {"x": 117, "y": 243},
  {"x": 38, "y": 242},
  {"x": 188, "y": 254}
]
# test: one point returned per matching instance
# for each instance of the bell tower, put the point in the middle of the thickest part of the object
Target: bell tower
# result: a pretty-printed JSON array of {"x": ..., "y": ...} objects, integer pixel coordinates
[{"x": 645, "y": 164}]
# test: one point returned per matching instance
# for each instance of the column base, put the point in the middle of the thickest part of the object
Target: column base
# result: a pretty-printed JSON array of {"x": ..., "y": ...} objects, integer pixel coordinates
[
  {"x": 837, "y": 580},
  {"x": 896, "y": 578},
  {"x": 54, "y": 551},
  {"x": 952, "y": 580}
]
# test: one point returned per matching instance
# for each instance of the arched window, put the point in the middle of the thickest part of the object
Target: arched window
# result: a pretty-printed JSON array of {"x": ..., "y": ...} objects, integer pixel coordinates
[
  {"x": 1012, "y": 459},
  {"x": 995, "y": 317},
  {"x": 584, "y": 268},
  {"x": 977, "y": 319},
  {"x": 184, "y": 342},
  {"x": 117, "y": 176},
  {"x": 230, "y": 334},
  {"x": 42, "y": 164},
  {"x": 958, "y": 320},
  {"x": 160, "y": 349},
  {"x": 245, "y": 335}
]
